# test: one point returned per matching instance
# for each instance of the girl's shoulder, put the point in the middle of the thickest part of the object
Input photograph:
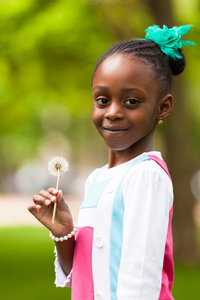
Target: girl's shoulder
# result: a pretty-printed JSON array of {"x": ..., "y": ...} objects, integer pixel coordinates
[
  {"x": 153, "y": 168},
  {"x": 140, "y": 168},
  {"x": 149, "y": 179}
]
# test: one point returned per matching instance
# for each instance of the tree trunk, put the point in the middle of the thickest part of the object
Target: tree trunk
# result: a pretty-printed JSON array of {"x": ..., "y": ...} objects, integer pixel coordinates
[
  {"x": 178, "y": 156},
  {"x": 162, "y": 11}
]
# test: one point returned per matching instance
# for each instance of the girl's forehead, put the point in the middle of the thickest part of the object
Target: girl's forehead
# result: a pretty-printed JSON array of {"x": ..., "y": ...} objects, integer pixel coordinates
[
  {"x": 125, "y": 68},
  {"x": 112, "y": 62}
]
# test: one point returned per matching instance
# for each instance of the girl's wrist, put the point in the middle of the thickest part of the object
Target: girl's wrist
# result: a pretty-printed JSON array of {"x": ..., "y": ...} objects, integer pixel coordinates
[
  {"x": 61, "y": 229},
  {"x": 69, "y": 233}
]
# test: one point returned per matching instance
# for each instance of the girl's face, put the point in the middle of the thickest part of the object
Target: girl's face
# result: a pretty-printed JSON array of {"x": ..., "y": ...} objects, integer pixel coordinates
[{"x": 125, "y": 103}]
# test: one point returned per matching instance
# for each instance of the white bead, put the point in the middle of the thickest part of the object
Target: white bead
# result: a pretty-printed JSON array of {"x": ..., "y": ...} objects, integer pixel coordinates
[{"x": 64, "y": 238}]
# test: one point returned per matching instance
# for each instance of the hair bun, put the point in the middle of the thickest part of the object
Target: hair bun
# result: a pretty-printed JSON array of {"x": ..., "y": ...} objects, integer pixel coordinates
[{"x": 177, "y": 66}]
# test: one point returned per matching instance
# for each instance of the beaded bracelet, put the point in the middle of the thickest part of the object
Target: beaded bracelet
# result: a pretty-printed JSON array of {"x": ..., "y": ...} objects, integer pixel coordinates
[{"x": 64, "y": 238}]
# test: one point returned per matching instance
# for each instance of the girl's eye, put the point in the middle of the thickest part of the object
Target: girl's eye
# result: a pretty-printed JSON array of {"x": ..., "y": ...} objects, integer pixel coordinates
[
  {"x": 102, "y": 101},
  {"x": 132, "y": 101}
]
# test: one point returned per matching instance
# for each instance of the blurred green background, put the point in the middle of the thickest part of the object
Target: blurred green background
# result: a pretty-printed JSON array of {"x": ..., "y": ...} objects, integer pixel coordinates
[{"x": 48, "y": 50}]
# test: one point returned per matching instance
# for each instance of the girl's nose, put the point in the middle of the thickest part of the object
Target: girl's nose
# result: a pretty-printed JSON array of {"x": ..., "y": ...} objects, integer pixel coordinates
[{"x": 114, "y": 111}]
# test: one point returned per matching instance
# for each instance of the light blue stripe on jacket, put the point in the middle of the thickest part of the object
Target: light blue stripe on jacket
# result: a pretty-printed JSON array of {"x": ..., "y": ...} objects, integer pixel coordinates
[{"x": 116, "y": 231}]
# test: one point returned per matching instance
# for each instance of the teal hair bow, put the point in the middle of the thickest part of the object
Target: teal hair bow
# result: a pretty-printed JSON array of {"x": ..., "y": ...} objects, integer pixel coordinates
[{"x": 169, "y": 40}]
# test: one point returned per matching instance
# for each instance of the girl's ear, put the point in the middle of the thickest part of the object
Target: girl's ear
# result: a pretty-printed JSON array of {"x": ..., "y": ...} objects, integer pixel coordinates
[{"x": 165, "y": 108}]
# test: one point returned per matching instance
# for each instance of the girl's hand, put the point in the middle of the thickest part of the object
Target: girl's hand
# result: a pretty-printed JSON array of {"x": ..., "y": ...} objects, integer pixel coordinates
[{"x": 42, "y": 209}]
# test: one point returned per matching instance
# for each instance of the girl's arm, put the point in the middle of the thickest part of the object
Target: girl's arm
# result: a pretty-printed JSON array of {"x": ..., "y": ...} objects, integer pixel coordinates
[
  {"x": 42, "y": 209},
  {"x": 65, "y": 251},
  {"x": 148, "y": 200}
]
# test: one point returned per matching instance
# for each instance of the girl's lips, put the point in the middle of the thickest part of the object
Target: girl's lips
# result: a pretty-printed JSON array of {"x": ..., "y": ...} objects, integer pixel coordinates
[{"x": 114, "y": 128}]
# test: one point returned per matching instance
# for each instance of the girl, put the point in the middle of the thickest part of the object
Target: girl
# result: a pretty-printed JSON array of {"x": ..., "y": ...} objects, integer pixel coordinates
[{"x": 123, "y": 246}]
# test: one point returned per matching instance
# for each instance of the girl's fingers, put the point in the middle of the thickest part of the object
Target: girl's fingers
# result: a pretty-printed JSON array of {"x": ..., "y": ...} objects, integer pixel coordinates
[
  {"x": 42, "y": 209},
  {"x": 47, "y": 197},
  {"x": 47, "y": 194},
  {"x": 60, "y": 195},
  {"x": 34, "y": 208},
  {"x": 53, "y": 191},
  {"x": 39, "y": 200},
  {"x": 56, "y": 193}
]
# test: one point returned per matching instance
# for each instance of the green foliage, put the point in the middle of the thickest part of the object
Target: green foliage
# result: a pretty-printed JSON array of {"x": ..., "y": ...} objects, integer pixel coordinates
[
  {"x": 188, "y": 12},
  {"x": 47, "y": 54}
]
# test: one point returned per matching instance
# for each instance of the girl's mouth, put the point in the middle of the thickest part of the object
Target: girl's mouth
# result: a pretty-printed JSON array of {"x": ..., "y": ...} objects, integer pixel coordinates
[{"x": 114, "y": 128}]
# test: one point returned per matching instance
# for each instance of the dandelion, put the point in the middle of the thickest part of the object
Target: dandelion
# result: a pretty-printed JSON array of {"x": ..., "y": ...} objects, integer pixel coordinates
[{"x": 57, "y": 166}]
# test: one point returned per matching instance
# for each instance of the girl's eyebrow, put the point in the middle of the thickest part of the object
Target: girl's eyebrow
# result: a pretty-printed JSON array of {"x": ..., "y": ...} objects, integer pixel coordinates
[
  {"x": 131, "y": 89},
  {"x": 101, "y": 87}
]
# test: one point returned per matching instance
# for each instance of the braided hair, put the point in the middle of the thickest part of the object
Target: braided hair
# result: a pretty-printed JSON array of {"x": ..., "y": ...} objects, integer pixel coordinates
[{"x": 150, "y": 53}]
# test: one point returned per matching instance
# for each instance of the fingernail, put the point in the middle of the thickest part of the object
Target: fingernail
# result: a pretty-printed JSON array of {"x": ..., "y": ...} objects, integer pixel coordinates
[
  {"x": 38, "y": 207},
  {"x": 47, "y": 202}
]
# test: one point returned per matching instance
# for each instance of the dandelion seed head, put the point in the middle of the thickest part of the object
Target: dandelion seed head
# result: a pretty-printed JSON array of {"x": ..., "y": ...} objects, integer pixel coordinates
[{"x": 58, "y": 165}]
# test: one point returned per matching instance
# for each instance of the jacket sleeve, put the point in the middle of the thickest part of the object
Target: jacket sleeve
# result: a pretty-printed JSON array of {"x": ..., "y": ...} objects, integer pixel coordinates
[
  {"x": 148, "y": 198},
  {"x": 61, "y": 280}
]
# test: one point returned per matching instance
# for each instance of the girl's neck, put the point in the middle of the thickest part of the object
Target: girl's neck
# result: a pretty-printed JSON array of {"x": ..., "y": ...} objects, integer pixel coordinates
[{"x": 116, "y": 158}]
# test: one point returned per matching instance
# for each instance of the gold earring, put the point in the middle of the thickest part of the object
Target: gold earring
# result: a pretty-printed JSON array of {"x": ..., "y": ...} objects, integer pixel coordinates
[{"x": 160, "y": 122}]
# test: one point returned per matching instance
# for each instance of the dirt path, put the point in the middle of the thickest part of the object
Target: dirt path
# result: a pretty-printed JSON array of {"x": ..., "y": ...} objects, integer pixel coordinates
[{"x": 13, "y": 209}]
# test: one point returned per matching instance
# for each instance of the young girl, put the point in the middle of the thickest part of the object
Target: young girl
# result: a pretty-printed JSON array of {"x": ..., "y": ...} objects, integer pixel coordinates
[{"x": 123, "y": 246}]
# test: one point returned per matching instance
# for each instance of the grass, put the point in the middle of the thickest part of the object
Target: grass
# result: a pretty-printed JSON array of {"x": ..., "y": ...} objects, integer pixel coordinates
[
  {"x": 186, "y": 283},
  {"x": 26, "y": 265},
  {"x": 27, "y": 271}
]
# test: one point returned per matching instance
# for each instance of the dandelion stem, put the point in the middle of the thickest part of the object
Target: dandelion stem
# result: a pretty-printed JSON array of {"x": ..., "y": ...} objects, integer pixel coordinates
[
  {"x": 54, "y": 212},
  {"x": 55, "y": 203},
  {"x": 57, "y": 185}
]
